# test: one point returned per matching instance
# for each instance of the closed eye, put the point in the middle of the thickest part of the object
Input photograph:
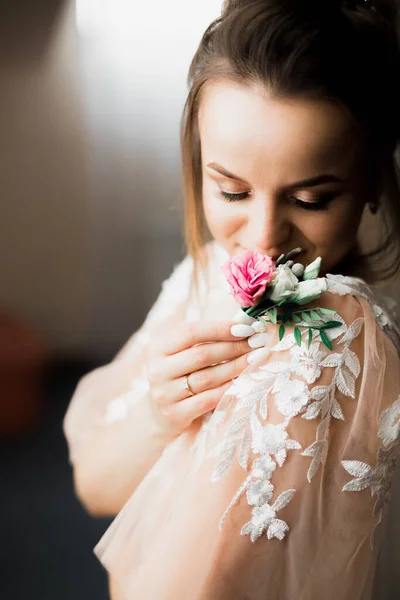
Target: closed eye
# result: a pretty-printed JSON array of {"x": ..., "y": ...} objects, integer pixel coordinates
[
  {"x": 321, "y": 204},
  {"x": 233, "y": 197}
]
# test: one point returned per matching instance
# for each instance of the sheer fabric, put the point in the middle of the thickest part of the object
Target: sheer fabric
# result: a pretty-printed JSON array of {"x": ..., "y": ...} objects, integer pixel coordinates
[
  {"x": 114, "y": 392},
  {"x": 282, "y": 491}
]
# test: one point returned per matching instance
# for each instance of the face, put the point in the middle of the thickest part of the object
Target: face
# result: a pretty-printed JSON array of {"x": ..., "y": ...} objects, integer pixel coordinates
[{"x": 278, "y": 174}]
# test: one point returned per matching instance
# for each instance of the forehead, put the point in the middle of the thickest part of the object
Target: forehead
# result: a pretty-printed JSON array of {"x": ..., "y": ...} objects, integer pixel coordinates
[{"x": 236, "y": 122}]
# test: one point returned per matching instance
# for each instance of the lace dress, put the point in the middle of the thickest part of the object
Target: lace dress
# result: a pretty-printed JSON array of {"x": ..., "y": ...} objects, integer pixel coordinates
[{"x": 281, "y": 492}]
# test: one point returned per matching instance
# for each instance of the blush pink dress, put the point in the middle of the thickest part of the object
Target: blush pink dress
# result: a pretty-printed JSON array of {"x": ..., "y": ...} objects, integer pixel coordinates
[{"x": 280, "y": 493}]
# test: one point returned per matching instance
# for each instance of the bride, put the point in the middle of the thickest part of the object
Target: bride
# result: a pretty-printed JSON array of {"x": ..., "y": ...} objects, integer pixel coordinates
[{"x": 247, "y": 461}]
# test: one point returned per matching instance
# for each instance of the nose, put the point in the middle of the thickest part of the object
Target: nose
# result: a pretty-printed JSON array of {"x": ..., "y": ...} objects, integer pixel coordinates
[{"x": 268, "y": 228}]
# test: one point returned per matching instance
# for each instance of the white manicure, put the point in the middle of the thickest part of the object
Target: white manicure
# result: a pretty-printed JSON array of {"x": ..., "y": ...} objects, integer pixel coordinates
[
  {"x": 255, "y": 354},
  {"x": 257, "y": 340},
  {"x": 242, "y": 317},
  {"x": 241, "y": 330}
]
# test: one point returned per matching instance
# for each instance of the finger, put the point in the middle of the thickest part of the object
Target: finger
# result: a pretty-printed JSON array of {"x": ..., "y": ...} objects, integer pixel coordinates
[
  {"x": 191, "y": 334},
  {"x": 211, "y": 377},
  {"x": 203, "y": 356},
  {"x": 191, "y": 408}
]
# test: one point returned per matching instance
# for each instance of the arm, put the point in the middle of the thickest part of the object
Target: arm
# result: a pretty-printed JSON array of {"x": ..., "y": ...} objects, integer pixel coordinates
[
  {"x": 118, "y": 453},
  {"x": 113, "y": 436},
  {"x": 272, "y": 507}
]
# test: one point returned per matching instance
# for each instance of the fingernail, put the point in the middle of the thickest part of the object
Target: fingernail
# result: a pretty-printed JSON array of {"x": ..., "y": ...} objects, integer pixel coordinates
[
  {"x": 241, "y": 330},
  {"x": 242, "y": 317},
  {"x": 257, "y": 340},
  {"x": 253, "y": 355}
]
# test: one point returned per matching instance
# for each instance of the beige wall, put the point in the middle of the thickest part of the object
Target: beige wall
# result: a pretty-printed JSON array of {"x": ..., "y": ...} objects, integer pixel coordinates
[
  {"x": 42, "y": 169},
  {"x": 90, "y": 174},
  {"x": 89, "y": 166}
]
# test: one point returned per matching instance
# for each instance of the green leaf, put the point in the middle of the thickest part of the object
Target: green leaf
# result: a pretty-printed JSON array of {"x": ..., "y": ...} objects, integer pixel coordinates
[
  {"x": 287, "y": 314},
  {"x": 305, "y": 316},
  {"x": 258, "y": 309},
  {"x": 263, "y": 321},
  {"x": 296, "y": 318},
  {"x": 310, "y": 334},
  {"x": 297, "y": 336},
  {"x": 326, "y": 311},
  {"x": 325, "y": 339},
  {"x": 330, "y": 325},
  {"x": 281, "y": 332},
  {"x": 273, "y": 313},
  {"x": 315, "y": 315}
]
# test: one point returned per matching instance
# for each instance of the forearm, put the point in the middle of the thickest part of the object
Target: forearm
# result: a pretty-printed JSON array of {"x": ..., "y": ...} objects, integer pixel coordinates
[{"x": 115, "y": 459}]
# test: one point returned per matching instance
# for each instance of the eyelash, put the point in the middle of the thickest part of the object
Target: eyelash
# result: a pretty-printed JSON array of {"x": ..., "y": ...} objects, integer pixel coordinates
[{"x": 322, "y": 204}]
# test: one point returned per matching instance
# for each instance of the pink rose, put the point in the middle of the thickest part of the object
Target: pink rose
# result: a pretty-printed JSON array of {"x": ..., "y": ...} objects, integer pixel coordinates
[{"x": 248, "y": 275}]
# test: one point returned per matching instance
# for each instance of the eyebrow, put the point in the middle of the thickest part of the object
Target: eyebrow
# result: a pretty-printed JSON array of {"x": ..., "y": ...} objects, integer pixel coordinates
[{"x": 312, "y": 181}]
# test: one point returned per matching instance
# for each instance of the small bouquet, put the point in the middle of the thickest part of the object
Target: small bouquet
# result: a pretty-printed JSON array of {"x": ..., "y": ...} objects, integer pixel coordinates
[{"x": 271, "y": 292}]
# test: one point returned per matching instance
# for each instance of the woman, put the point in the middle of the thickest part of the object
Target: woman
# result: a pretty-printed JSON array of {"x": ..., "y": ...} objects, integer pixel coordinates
[{"x": 247, "y": 465}]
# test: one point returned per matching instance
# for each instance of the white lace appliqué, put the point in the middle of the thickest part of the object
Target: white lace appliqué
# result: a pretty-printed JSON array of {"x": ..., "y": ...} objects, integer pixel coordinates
[
  {"x": 383, "y": 307},
  {"x": 118, "y": 408},
  {"x": 280, "y": 382},
  {"x": 378, "y": 478},
  {"x": 174, "y": 293}
]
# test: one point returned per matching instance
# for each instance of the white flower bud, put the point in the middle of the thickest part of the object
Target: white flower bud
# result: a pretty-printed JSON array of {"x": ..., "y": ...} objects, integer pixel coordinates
[
  {"x": 284, "y": 284},
  {"x": 307, "y": 291},
  {"x": 298, "y": 270},
  {"x": 312, "y": 270}
]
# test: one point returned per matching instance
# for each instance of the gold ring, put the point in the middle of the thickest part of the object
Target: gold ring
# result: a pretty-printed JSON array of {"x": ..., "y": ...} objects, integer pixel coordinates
[{"x": 187, "y": 386}]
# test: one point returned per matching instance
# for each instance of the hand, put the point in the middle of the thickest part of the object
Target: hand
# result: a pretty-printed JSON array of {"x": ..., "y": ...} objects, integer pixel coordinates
[{"x": 210, "y": 354}]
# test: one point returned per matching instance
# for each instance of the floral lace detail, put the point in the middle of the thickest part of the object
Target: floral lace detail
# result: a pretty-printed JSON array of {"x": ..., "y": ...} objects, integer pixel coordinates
[
  {"x": 175, "y": 292},
  {"x": 118, "y": 408},
  {"x": 389, "y": 424},
  {"x": 378, "y": 479},
  {"x": 293, "y": 397},
  {"x": 383, "y": 307},
  {"x": 347, "y": 369},
  {"x": 280, "y": 382}
]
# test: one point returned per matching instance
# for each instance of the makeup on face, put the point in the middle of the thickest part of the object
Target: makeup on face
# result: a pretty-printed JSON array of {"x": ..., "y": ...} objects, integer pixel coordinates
[{"x": 279, "y": 174}]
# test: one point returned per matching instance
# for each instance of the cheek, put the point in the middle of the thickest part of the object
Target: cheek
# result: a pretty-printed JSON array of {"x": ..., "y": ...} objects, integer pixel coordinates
[
  {"x": 222, "y": 218},
  {"x": 333, "y": 232}
]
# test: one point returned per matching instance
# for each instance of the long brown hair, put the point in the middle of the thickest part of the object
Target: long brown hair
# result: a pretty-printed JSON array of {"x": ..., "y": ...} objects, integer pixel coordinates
[{"x": 343, "y": 51}]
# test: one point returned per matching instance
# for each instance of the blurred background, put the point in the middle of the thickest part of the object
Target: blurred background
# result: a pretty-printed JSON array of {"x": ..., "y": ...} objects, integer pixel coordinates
[{"x": 91, "y": 94}]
